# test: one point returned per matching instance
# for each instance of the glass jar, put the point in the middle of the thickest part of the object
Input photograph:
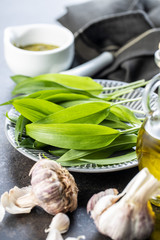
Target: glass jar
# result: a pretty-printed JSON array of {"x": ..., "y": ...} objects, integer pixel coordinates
[{"x": 148, "y": 142}]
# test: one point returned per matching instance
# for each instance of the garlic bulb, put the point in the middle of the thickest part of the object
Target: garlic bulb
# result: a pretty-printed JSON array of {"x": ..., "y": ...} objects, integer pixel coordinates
[
  {"x": 131, "y": 217},
  {"x": 52, "y": 187}
]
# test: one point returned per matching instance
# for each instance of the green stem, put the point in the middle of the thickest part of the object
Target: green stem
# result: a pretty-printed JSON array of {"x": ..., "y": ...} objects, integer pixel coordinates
[
  {"x": 133, "y": 85},
  {"x": 120, "y": 92},
  {"x": 138, "y": 111},
  {"x": 130, "y": 130},
  {"x": 127, "y": 100},
  {"x": 117, "y": 93},
  {"x": 124, "y": 86}
]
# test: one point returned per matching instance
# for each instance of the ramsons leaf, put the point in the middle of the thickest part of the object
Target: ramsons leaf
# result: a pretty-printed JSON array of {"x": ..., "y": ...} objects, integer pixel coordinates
[
  {"x": 124, "y": 114},
  {"x": 93, "y": 112},
  {"x": 57, "y": 81},
  {"x": 119, "y": 141},
  {"x": 35, "y": 109},
  {"x": 72, "y": 136},
  {"x": 102, "y": 162}
]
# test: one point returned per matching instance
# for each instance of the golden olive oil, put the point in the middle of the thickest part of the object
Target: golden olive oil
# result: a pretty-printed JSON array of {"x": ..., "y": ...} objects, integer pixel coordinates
[
  {"x": 148, "y": 149},
  {"x": 38, "y": 47}
]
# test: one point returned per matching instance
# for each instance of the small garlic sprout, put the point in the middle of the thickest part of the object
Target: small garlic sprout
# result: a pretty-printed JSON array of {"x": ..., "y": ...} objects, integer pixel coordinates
[
  {"x": 131, "y": 217},
  {"x": 52, "y": 187}
]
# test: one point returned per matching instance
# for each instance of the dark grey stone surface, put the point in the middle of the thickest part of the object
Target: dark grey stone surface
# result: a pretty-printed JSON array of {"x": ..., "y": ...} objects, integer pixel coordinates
[{"x": 14, "y": 167}]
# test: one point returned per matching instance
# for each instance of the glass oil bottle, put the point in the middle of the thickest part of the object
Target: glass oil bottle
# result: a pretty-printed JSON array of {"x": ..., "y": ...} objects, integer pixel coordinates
[{"x": 148, "y": 142}]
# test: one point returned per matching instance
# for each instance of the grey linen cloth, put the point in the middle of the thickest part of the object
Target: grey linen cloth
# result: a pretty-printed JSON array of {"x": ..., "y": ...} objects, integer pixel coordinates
[{"x": 130, "y": 29}]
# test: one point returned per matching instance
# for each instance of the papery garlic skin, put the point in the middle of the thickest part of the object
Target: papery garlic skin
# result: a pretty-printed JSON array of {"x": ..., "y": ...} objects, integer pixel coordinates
[
  {"x": 131, "y": 217},
  {"x": 9, "y": 201},
  {"x": 53, "y": 187}
]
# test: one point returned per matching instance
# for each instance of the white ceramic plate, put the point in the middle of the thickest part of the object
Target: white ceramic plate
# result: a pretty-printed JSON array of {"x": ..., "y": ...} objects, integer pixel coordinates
[{"x": 88, "y": 168}]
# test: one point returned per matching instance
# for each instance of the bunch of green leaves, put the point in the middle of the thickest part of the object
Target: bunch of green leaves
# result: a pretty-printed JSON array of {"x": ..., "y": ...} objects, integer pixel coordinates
[{"x": 72, "y": 118}]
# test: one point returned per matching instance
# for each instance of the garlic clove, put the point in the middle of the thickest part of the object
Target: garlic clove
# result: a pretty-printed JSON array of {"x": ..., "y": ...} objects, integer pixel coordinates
[
  {"x": 2, "y": 212},
  {"x": 9, "y": 201},
  {"x": 54, "y": 235},
  {"x": 101, "y": 201},
  {"x": 78, "y": 238},
  {"x": 126, "y": 221},
  {"x": 131, "y": 217},
  {"x": 54, "y": 187},
  {"x": 60, "y": 222},
  {"x": 118, "y": 223},
  {"x": 94, "y": 199}
]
